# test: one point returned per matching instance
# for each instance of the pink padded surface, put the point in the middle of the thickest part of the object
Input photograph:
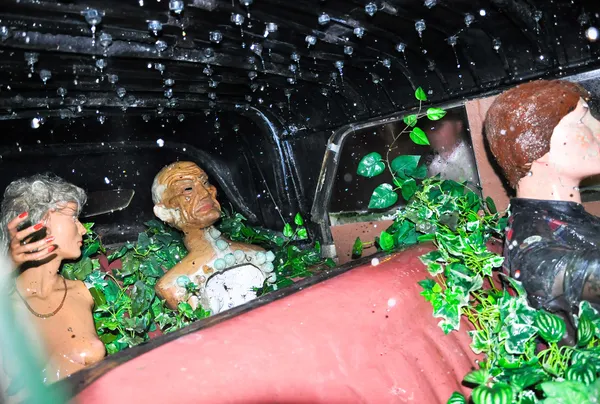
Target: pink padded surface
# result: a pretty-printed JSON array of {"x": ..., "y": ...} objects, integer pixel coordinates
[{"x": 366, "y": 336}]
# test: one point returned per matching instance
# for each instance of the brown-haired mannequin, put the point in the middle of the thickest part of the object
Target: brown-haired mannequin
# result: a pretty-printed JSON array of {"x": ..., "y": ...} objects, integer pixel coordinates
[
  {"x": 546, "y": 141},
  {"x": 184, "y": 199}
]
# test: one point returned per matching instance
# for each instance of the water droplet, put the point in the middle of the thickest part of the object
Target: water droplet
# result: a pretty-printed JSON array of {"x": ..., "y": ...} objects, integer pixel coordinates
[
  {"x": 310, "y": 40},
  {"x": 271, "y": 27},
  {"x": 209, "y": 52},
  {"x": 324, "y": 19},
  {"x": 496, "y": 43},
  {"x": 101, "y": 119},
  {"x": 169, "y": 93},
  {"x": 452, "y": 40},
  {"x": 208, "y": 71},
  {"x": 215, "y": 36},
  {"x": 155, "y": 27},
  {"x": 237, "y": 19},
  {"x": 4, "y": 32},
  {"x": 592, "y": 34},
  {"x": 45, "y": 75},
  {"x": 121, "y": 92},
  {"x": 176, "y": 6},
  {"x": 61, "y": 91},
  {"x": 213, "y": 83},
  {"x": 291, "y": 80},
  {"x": 256, "y": 48},
  {"x": 348, "y": 50},
  {"x": 537, "y": 15},
  {"x": 160, "y": 142},
  {"x": 401, "y": 47},
  {"x": 31, "y": 58},
  {"x": 371, "y": 9},
  {"x": 252, "y": 75},
  {"x": 295, "y": 57},
  {"x": 212, "y": 95},
  {"x": 146, "y": 117},
  {"x": 181, "y": 117},
  {"x": 160, "y": 45},
  {"x": 420, "y": 26},
  {"x": 248, "y": 98},
  {"x": 169, "y": 82},
  {"x": 359, "y": 32},
  {"x": 160, "y": 67},
  {"x": 106, "y": 180},
  {"x": 482, "y": 12},
  {"x": 293, "y": 68},
  {"x": 375, "y": 78},
  {"x": 37, "y": 122},
  {"x": 246, "y": 3},
  {"x": 386, "y": 62},
  {"x": 101, "y": 64},
  {"x": 105, "y": 40},
  {"x": 217, "y": 125},
  {"x": 430, "y": 3},
  {"x": 469, "y": 18},
  {"x": 583, "y": 19},
  {"x": 113, "y": 78},
  {"x": 431, "y": 65}
]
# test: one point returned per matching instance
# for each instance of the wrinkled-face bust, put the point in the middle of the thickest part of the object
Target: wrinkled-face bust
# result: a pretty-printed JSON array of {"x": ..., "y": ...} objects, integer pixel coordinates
[{"x": 184, "y": 198}]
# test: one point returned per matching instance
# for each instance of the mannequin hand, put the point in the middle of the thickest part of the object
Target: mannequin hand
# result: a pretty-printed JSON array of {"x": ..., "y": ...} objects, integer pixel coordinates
[{"x": 20, "y": 250}]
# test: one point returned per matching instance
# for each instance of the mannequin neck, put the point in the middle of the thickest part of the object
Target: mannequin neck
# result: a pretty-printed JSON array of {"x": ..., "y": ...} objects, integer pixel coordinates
[
  {"x": 546, "y": 183},
  {"x": 39, "y": 280}
]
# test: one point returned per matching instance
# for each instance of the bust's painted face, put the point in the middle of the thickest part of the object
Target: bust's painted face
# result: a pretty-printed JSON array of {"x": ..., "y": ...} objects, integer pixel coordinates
[
  {"x": 575, "y": 144},
  {"x": 189, "y": 192}
]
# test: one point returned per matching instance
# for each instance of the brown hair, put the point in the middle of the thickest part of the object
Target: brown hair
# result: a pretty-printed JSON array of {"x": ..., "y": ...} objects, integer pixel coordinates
[{"x": 520, "y": 122}]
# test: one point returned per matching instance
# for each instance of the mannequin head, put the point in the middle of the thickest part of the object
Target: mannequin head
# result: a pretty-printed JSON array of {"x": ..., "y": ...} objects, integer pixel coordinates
[
  {"x": 545, "y": 124},
  {"x": 50, "y": 199},
  {"x": 184, "y": 198}
]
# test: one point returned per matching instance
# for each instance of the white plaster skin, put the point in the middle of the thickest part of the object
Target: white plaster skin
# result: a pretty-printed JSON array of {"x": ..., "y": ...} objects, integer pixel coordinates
[{"x": 241, "y": 279}]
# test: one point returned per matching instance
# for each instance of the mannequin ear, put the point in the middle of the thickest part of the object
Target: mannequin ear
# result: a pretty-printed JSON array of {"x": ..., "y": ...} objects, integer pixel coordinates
[{"x": 163, "y": 213}]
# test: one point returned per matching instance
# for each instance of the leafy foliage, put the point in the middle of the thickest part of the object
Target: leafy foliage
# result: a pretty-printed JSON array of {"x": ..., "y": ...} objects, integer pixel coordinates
[
  {"x": 122, "y": 283},
  {"x": 524, "y": 362}
]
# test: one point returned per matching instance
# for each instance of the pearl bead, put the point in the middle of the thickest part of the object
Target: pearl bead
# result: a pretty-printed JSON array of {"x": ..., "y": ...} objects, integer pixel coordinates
[
  {"x": 222, "y": 245},
  {"x": 229, "y": 259},
  {"x": 270, "y": 256},
  {"x": 219, "y": 264},
  {"x": 260, "y": 258}
]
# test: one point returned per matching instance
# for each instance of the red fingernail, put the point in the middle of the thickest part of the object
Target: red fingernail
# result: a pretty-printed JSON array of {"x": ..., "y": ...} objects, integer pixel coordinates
[
  {"x": 51, "y": 248},
  {"x": 49, "y": 239},
  {"x": 23, "y": 215},
  {"x": 38, "y": 226}
]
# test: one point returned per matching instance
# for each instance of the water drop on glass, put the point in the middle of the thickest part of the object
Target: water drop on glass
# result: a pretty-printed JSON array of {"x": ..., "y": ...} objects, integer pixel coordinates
[
  {"x": 213, "y": 83},
  {"x": 61, "y": 91},
  {"x": 237, "y": 19},
  {"x": 246, "y": 3},
  {"x": 212, "y": 95},
  {"x": 310, "y": 40},
  {"x": 105, "y": 40},
  {"x": 160, "y": 45},
  {"x": 293, "y": 68},
  {"x": 154, "y": 26},
  {"x": 324, "y": 18},
  {"x": 359, "y": 32},
  {"x": 387, "y": 63},
  {"x": 146, "y": 117},
  {"x": 256, "y": 48},
  {"x": 537, "y": 15},
  {"x": 215, "y": 36},
  {"x": 169, "y": 82},
  {"x": 295, "y": 57},
  {"x": 271, "y": 27},
  {"x": 452, "y": 40},
  {"x": 160, "y": 142},
  {"x": 252, "y": 75},
  {"x": 169, "y": 93},
  {"x": 371, "y": 9},
  {"x": 4, "y": 32},
  {"x": 106, "y": 180},
  {"x": 430, "y": 3},
  {"x": 482, "y": 12},
  {"x": 217, "y": 125},
  {"x": 180, "y": 117},
  {"x": 121, "y": 92},
  {"x": 496, "y": 43},
  {"x": 101, "y": 119},
  {"x": 209, "y": 52},
  {"x": 401, "y": 47},
  {"x": 37, "y": 122},
  {"x": 591, "y": 34},
  {"x": 101, "y": 64},
  {"x": 348, "y": 50},
  {"x": 160, "y": 67},
  {"x": 420, "y": 26},
  {"x": 431, "y": 65},
  {"x": 113, "y": 78},
  {"x": 45, "y": 75},
  {"x": 92, "y": 17},
  {"x": 208, "y": 71},
  {"x": 176, "y": 6}
]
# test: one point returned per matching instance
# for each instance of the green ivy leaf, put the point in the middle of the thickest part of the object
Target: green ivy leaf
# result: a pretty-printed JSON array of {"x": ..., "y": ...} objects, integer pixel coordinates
[
  {"x": 566, "y": 392},
  {"x": 550, "y": 327},
  {"x": 581, "y": 372},
  {"x": 410, "y": 120},
  {"x": 420, "y": 94},
  {"x": 302, "y": 233},
  {"x": 298, "y": 219},
  {"x": 435, "y": 114},
  {"x": 383, "y": 197},
  {"x": 98, "y": 296},
  {"x": 477, "y": 377},
  {"x": 457, "y": 398},
  {"x": 419, "y": 137},
  {"x": 91, "y": 249},
  {"x": 371, "y": 165},
  {"x": 489, "y": 202},
  {"x": 409, "y": 187},
  {"x": 499, "y": 393},
  {"x": 287, "y": 230},
  {"x": 141, "y": 298},
  {"x": 386, "y": 241},
  {"x": 405, "y": 165},
  {"x": 357, "y": 248}
]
